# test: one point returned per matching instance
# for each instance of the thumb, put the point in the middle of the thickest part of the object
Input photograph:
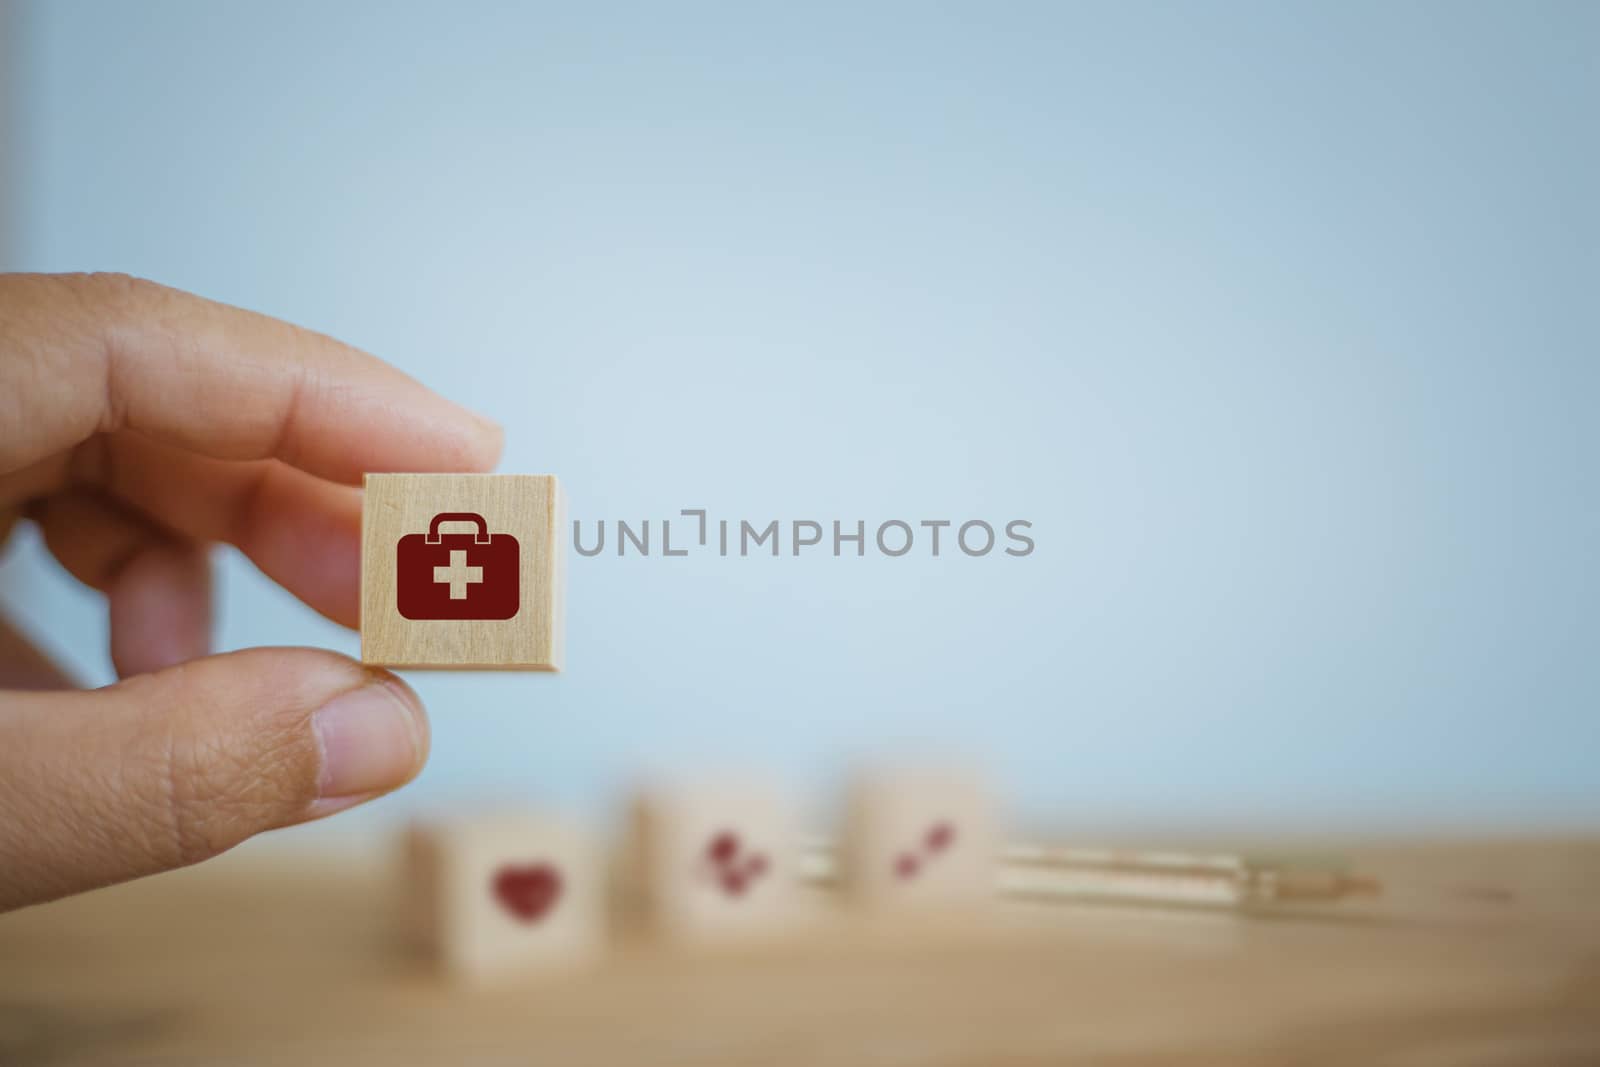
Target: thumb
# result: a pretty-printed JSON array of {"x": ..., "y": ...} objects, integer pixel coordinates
[{"x": 167, "y": 769}]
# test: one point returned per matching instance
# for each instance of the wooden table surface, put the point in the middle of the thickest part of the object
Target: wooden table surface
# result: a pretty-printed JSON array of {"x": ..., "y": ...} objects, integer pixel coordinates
[{"x": 1479, "y": 953}]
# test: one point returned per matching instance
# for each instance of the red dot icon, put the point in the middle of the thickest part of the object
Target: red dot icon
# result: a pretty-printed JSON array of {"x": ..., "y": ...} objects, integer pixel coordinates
[
  {"x": 731, "y": 869},
  {"x": 723, "y": 848},
  {"x": 936, "y": 839}
]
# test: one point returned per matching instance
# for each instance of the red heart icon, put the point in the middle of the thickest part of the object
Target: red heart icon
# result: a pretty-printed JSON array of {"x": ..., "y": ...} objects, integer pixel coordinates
[{"x": 528, "y": 891}]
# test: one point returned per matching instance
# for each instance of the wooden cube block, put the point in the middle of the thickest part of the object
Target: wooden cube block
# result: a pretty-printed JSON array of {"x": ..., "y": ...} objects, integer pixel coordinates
[
  {"x": 505, "y": 894},
  {"x": 463, "y": 570},
  {"x": 915, "y": 838},
  {"x": 715, "y": 861}
]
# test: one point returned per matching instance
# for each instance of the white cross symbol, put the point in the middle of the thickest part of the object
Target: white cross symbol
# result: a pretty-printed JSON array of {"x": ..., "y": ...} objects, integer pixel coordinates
[{"x": 458, "y": 574}]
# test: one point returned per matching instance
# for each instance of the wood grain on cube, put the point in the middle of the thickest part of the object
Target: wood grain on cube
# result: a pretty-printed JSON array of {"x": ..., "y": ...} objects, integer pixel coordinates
[{"x": 463, "y": 571}]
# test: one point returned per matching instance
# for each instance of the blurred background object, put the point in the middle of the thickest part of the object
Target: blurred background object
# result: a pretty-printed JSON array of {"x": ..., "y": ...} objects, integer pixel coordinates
[{"x": 1276, "y": 321}]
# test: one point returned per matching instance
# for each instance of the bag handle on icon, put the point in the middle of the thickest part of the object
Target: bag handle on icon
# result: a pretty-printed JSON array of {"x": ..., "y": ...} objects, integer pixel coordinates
[{"x": 481, "y": 538}]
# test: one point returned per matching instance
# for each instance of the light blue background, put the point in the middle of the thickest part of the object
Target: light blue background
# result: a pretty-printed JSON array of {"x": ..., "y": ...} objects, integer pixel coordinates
[{"x": 1278, "y": 321}]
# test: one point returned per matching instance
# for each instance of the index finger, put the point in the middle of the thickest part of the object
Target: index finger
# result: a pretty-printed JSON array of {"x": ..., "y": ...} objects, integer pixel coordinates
[{"x": 87, "y": 354}]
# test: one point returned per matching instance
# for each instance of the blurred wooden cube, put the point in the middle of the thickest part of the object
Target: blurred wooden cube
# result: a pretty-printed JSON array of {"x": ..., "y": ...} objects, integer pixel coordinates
[
  {"x": 506, "y": 893},
  {"x": 919, "y": 839},
  {"x": 714, "y": 861}
]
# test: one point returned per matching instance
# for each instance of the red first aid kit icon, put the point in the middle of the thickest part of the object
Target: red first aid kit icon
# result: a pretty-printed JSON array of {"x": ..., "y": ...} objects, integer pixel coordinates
[{"x": 457, "y": 575}]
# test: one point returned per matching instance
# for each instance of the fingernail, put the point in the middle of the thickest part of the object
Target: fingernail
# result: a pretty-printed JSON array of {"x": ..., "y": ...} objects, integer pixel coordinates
[
  {"x": 484, "y": 422},
  {"x": 371, "y": 740},
  {"x": 495, "y": 431},
  {"x": 489, "y": 423}
]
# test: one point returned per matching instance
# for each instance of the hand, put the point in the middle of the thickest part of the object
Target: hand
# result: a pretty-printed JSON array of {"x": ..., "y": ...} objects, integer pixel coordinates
[{"x": 138, "y": 424}]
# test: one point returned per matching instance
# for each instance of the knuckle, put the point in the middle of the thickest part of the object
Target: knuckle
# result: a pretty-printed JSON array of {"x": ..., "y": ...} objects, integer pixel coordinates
[
  {"x": 106, "y": 298},
  {"x": 115, "y": 287}
]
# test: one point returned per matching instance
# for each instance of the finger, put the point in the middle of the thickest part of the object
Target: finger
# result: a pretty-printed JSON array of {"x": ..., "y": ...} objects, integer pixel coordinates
[
  {"x": 22, "y": 666},
  {"x": 160, "y": 608},
  {"x": 303, "y": 532},
  {"x": 158, "y": 586},
  {"x": 86, "y": 354},
  {"x": 170, "y": 768}
]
